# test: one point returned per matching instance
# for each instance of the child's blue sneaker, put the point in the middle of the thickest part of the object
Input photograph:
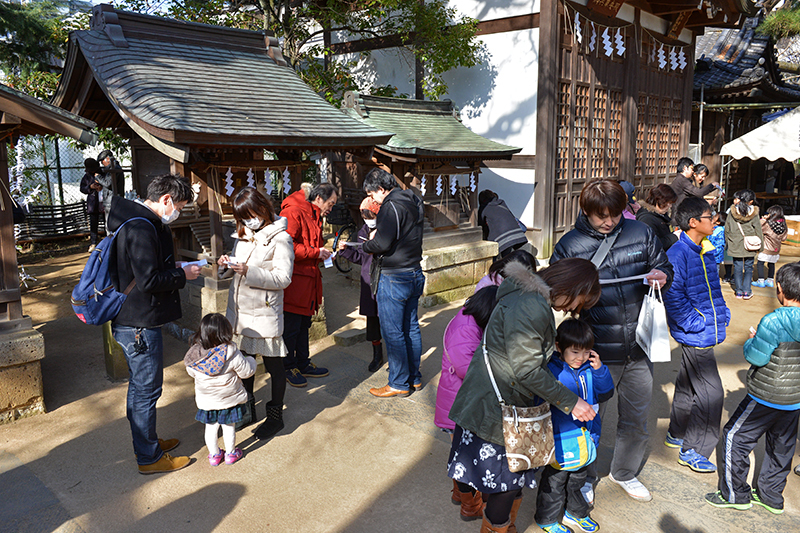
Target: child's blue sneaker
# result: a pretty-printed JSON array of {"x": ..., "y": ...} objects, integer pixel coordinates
[
  {"x": 672, "y": 442},
  {"x": 696, "y": 462},
  {"x": 755, "y": 499},
  {"x": 587, "y": 525},
  {"x": 554, "y": 528},
  {"x": 758, "y": 283},
  {"x": 769, "y": 283}
]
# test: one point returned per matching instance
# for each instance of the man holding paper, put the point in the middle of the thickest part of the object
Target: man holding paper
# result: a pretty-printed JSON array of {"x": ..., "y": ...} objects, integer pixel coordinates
[{"x": 620, "y": 248}]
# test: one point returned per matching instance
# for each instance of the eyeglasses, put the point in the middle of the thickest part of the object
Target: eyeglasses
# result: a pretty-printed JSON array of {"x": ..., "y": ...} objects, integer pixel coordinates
[{"x": 712, "y": 216}]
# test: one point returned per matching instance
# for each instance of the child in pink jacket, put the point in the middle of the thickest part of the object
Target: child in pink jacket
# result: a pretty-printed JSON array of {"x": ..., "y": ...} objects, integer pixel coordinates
[{"x": 462, "y": 337}]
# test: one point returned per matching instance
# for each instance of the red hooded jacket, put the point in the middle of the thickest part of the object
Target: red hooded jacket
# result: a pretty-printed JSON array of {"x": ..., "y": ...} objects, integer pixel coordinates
[{"x": 304, "y": 294}]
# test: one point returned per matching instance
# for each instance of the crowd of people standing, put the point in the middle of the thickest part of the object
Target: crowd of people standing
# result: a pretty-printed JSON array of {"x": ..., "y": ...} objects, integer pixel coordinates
[{"x": 505, "y": 344}]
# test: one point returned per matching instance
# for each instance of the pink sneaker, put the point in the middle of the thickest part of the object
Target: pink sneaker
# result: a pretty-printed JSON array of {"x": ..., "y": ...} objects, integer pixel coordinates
[
  {"x": 215, "y": 460},
  {"x": 231, "y": 458}
]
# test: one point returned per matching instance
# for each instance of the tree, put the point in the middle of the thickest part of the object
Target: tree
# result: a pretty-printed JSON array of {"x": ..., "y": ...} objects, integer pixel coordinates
[
  {"x": 431, "y": 30},
  {"x": 783, "y": 21}
]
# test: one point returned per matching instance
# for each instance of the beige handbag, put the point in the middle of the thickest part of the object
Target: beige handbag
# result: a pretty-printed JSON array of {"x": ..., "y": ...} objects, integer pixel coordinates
[
  {"x": 752, "y": 243},
  {"x": 527, "y": 431}
]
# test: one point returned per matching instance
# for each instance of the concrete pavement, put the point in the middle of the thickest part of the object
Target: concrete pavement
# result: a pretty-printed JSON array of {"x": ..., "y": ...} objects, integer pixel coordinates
[{"x": 346, "y": 462}]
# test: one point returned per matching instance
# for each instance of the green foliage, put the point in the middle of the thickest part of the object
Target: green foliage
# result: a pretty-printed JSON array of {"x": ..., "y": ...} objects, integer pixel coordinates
[
  {"x": 33, "y": 36},
  {"x": 784, "y": 22}
]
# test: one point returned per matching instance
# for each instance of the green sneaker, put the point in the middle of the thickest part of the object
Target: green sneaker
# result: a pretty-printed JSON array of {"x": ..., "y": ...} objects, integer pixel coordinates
[
  {"x": 716, "y": 499},
  {"x": 554, "y": 528},
  {"x": 755, "y": 499}
]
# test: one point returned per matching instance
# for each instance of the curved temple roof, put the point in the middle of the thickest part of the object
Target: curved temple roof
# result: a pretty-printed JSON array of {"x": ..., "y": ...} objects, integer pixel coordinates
[{"x": 191, "y": 83}]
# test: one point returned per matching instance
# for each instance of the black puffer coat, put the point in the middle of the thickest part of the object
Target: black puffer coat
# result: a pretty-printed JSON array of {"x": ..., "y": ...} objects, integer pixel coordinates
[
  {"x": 636, "y": 251},
  {"x": 658, "y": 223}
]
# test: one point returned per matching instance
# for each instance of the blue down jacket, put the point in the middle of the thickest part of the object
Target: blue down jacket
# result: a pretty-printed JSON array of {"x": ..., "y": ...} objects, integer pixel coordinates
[
  {"x": 575, "y": 380},
  {"x": 696, "y": 311},
  {"x": 636, "y": 251}
]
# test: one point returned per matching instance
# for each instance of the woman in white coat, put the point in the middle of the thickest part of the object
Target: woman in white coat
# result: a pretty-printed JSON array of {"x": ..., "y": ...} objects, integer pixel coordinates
[{"x": 262, "y": 261}]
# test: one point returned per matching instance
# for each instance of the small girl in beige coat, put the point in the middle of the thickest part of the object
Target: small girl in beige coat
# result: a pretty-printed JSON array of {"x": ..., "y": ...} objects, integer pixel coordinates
[{"x": 218, "y": 367}]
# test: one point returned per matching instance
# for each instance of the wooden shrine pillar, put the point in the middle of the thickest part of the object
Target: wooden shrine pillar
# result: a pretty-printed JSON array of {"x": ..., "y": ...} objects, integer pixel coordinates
[{"x": 21, "y": 346}]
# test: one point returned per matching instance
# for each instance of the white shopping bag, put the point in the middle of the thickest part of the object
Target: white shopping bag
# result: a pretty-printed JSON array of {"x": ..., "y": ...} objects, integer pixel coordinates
[{"x": 652, "y": 332}]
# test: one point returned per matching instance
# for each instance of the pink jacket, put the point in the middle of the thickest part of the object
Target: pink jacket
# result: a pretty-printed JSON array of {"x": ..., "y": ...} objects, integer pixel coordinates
[{"x": 461, "y": 338}]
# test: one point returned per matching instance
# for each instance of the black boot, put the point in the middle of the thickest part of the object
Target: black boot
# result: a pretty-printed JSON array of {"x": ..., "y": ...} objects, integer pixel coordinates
[
  {"x": 377, "y": 357},
  {"x": 249, "y": 417},
  {"x": 273, "y": 423}
]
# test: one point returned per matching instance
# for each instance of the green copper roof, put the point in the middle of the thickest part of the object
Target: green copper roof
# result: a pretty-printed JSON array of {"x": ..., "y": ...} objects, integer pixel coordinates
[{"x": 423, "y": 128}]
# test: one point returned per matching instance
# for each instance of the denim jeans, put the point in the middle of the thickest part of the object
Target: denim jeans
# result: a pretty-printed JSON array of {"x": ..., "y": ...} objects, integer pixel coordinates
[
  {"x": 398, "y": 297},
  {"x": 742, "y": 274},
  {"x": 145, "y": 357}
]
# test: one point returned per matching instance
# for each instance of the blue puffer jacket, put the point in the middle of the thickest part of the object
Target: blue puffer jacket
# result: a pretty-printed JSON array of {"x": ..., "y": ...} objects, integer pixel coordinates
[
  {"x": 774, "y": 352},
  {"x": 575, "y": 380},
  {"x": 696, "y": 311}
]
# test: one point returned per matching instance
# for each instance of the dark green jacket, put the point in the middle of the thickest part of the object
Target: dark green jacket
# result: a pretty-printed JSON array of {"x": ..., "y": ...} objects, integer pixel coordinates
[
  {"x": 751, "y": 226},
  {"x": 520, "y": 338}
]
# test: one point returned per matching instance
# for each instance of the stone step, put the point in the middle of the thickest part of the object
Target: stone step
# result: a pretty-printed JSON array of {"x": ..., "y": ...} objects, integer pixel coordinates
[{"x": 464, "y": 234}]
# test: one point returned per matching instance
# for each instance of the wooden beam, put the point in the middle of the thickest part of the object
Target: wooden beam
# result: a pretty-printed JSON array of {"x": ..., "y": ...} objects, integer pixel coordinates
[
  {"x": 10, "y": 119},
  {"x": 521, "y": 22},
  {"x": 678, "y": 24},
  {"x": 609, "y": 8}
]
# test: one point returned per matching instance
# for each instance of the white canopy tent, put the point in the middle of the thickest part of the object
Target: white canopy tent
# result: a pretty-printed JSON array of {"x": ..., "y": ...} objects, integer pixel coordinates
[{"x": 779, "y": 139}]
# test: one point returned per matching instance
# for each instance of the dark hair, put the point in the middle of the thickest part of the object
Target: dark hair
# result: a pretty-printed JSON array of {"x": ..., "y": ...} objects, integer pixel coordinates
[
  {"x": 377, "y": 178},
  {"x": 700, "y": 168},
  {"x": 788, "y": 277},
  {"x": 481, "y": 304},
  {"x": 176, "y": 186},
  {"x": 214, "y": 330},
  {"x": 601, "y": 196},
  {"x": 520, "y": 256},
  {"x": 486, "y": 196},
  {"x": 661, "y": 196},
  {"x": 324, "y": 191},
  {"x": 684, "y": 162},
  {"x": 105, "y": 153},
  {"x": 91, "y": 166},
  {"x": 574, "y": 332},
  {"x": 692, "y": 207},
  {"x": 745, "y": 196},
  {"x": 774, "y": 212},
  {"x": 366, "y": 214},
  {"x": 721, "y": 218},
  {"x": 573, "y": 277},
  {"x": 248, "y": 203}
]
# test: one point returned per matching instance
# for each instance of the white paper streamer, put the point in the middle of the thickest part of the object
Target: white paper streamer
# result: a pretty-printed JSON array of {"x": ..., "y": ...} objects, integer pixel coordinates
[
  {"x": 453, "y": 184},
  {"x": 682, "y": 59},
  {"x": 607, "y": 46},
  {"x": 287, "y": 183},
  {"x": 578, "y": 34},
  {"x": 251, "y": 178},
  {"x": 439, "y": 186},
  {"x": 620, "y": 41},
  {"x": 472, "y": 184},
  {"x": 662, "y": 61},
  {"x": 593, "y": 40},
  {"x": 229, "y": 182},
  {"x": 268, "y": 182},
  {"x": 423, "y": 184},
  {"x": 673, "y": 59}
]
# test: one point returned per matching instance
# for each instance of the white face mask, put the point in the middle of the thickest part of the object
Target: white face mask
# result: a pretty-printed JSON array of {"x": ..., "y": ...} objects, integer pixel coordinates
[
  {"x": 172, "y": 217},
  {"x": 253, "y": 223},
  {"x": 371, "y": 223}
]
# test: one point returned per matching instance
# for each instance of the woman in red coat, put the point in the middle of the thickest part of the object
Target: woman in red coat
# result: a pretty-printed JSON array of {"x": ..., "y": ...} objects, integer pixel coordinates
[{"x": 303, "y": 296}]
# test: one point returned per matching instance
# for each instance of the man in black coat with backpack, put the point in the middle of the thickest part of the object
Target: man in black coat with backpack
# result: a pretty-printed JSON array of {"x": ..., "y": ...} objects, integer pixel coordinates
[{"x": 143, "y": 262}]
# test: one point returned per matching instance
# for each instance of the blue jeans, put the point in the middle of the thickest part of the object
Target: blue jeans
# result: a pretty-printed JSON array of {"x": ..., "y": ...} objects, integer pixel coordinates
[
  {"x": 398, "y": 297},
  {"x": 742, "y": 274},
  {"x": 146, "y": 368}
]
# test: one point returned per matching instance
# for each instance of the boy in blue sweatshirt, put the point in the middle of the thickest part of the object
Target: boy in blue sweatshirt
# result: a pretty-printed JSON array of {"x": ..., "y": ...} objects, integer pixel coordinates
[
  {"x": 697, "y": 317},
  {"x": 771, "y": 406},
  {"x": 578, "y": 368}
]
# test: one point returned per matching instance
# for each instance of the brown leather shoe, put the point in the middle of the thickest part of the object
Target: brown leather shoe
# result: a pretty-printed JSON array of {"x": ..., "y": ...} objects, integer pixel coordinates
[
  {"x": 488, "y": 527},
  {"x": 471, "y": 506},
  {"x": 168, "y": 444},
  {"x": 387, "y": 392},
  {"x": 167, "y": 463}
]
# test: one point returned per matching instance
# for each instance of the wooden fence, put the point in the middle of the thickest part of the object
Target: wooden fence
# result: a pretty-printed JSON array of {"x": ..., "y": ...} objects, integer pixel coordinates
[{"x": 52, "y": 222}]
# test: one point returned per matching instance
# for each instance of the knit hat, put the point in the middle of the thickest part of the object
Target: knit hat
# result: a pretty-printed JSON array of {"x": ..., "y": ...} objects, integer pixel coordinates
[
  {"x": 368, "y": 204},
  {"x": 628, "y": 188}
]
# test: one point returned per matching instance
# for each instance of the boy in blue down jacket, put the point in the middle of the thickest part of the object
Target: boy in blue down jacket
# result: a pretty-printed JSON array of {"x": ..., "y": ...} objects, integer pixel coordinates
[
  {"x": 576, "y": 366},
  {"x": 697, "y": 318},
  {"x": 771, "y": 407}
]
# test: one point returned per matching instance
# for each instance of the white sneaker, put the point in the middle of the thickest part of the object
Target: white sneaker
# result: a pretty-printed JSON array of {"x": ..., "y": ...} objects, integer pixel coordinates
[
  {"x": 634, "y": 488},
  {"x": 588, "y": 492}
]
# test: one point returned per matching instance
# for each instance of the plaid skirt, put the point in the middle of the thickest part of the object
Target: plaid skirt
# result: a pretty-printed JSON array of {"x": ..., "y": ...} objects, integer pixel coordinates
[
  {"x": 483, "y": 465},
  {"x": 230, "y": 415}
]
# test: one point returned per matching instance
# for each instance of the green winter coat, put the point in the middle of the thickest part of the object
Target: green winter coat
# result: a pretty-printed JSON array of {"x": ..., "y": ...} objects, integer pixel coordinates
[
  {"x": 520, "y": 338},
  {"x": 751, "y": 226}
]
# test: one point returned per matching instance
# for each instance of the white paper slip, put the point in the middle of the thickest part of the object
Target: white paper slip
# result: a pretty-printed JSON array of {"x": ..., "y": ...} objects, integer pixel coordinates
[
  {"x": 354, "y": 244},
  {"x": 623, "y": 280},
  {"x": 329, "y": 261},
  {"x": 200, "y": 263},
  {"x": 232, "y": 261}
]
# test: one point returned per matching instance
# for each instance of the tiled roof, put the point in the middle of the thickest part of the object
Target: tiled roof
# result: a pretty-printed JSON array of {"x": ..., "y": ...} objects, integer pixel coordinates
[
  {"x": 423, "y": 128},
  {"x": 188, "y": 82},
  {"x": 732, "y": 57}
]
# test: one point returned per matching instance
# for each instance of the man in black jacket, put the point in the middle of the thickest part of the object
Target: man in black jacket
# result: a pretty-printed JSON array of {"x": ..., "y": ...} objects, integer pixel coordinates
[
  {"x": 398, "y": 241},
  {"x": 143, "y": 261},
  {"x": 636, "y": 251}
]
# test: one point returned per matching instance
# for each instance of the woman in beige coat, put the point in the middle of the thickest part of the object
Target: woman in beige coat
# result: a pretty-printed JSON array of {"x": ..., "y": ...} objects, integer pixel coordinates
[{"x": 262, "y": 261}]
